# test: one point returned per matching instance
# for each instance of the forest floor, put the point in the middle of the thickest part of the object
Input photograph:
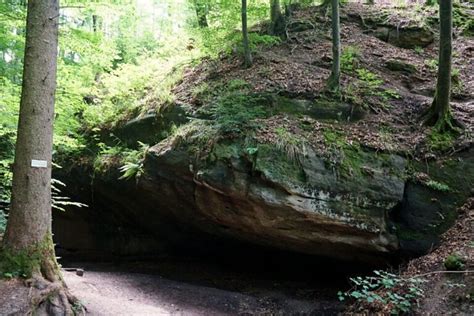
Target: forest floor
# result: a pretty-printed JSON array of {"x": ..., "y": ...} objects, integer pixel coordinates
[
  {"x": 446, "y": 291},
  {"x": 392, "y": 85},
  {"x": 180, "y": 286}
]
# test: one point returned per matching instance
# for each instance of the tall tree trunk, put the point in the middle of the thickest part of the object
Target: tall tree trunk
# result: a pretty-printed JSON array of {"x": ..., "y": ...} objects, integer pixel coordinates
[
  {"x": 201, "y": 13},
  {"x": 334, "y": 79},
  {"x": 277, "y": 21},
  {"x": 439, "y": 112},
  {"x": 245, "y": 35},
  {"x": 28, "y": 232},
  {"x": 94, "y": 23}
]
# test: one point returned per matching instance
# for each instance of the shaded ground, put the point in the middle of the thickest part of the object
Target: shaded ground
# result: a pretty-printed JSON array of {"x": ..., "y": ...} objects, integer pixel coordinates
[
  {"x": 13, "y": 297},
  {"x": 449, "y": 293},
  {"x": 186, "y": 286},
  {"x": 446, "y": 292}
]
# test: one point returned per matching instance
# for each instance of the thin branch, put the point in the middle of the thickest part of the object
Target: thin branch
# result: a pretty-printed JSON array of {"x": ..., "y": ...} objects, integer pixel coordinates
[{"x": 440, "y": 272}]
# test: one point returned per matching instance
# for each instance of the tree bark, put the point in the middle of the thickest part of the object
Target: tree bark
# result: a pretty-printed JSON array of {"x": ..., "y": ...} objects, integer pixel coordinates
[
  {"x": 334, "y": 79},
  {"x": 439, "y": 112},
  {"x": 245, "y": 35},
  {"x": 277, "y": 21},
  {"x": 28, "y": 230},
  {"x": 201, "y": 13}
]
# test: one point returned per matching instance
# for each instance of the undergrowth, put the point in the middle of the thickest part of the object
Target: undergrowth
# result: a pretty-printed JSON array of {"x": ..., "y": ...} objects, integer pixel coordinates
[
  {"x": 441, "y": 141},
  {"x": 387, "y": 290},
  {"x": 293, "y": 146},
  {"x": 232, "y": 107},
  {"x": 343, "y": 157},
  {"x": 133, "y": 162},
  {"x": 19, "y": 265}
]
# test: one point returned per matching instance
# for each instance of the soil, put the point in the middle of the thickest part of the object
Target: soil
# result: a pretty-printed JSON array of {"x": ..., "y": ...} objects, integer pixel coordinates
[
  {"x": 445, "y": 292},
  {"x": 300, "y": 65},
  {"x": 190, "y": 286},
  {"x": 448, "y": 292},
  {"x": 14, "y": 298}
]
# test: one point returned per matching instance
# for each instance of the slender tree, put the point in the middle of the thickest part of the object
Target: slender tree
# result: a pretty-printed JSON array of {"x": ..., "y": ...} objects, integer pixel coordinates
[
  {"x": 439, "y": 113},
  {"x": 28, "y": 232},
  {"x": 245, "y": 35},
  {"x": 334, "y": 79},
  {"x": 277, "y": 20},
  {"x": 201, "y": 12}
]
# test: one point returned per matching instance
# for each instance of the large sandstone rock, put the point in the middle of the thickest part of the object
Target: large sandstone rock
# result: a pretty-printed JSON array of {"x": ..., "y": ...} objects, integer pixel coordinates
[
  {"x": 197, "y": 191},
  {"x": 405, "y": 37},
  {"x": 270, "y": 200}
]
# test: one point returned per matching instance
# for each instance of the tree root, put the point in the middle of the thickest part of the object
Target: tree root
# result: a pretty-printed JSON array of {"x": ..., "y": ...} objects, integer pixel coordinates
[
  {"x": 52, "y": 298},
  {"x": 442, "y": 123}
]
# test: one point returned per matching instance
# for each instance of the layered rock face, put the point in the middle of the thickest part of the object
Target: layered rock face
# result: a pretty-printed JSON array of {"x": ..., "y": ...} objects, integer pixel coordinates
[
  {"x": 263, "y": 157},
  {"x": 266, "y": 198},
  {"x": 197, "y": 188}
]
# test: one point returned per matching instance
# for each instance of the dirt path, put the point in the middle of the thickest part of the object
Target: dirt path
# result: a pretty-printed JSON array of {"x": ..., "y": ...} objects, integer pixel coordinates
[{"x": 127, "y": 293}]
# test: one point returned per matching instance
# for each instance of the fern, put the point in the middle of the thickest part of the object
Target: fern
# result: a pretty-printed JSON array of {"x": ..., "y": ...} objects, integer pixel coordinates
[{"x": 60, "y": 202}]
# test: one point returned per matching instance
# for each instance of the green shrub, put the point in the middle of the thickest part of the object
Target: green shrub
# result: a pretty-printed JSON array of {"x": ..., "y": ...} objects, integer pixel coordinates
[
  {"x": 236, "y": 113},
  {"x": 133, "y": 162},
  {"x": 438, "y": 186},
  {"x": 440, "y": 141},
  {"x": 454, "y": 262},
  {"x": 398, "y": 293},
  {"x": 293, "y": 146},
  {"x": 18, "y": 265},
  {"x": 350, "y": 58}
]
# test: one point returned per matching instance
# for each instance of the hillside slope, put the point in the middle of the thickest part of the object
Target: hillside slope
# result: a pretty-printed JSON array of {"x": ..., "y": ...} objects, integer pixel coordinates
[{"x": 265, "y": 155}]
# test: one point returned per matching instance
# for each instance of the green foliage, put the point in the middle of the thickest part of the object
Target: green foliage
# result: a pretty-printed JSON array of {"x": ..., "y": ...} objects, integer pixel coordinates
[
  {"x": 232, "y": 105},
  {"x": 19, "y": 265},
  {"x": 292, "y": 145},
  {"x": 454, "y": 262},
  {"x": 399, "y": 294},
  {"x": 371, "y": 80},
  {"x": 133, "y": 162},
  {"x": 59, "y": 202},
  {"x": 440, "y": 141},
  {"x": 438, "y": 186},
  {"x": 3, "y": 222},
  {"x": 342, "y": 156},
  {"x": 259, "y": 40},
  {"x": 224, "y": 17},
  {"x": 350, "y": 58},
  {"x": 107, "y": 156},
  {"x": 129, "y": 161},
  {"x": 462, "y": 18},
  {"x": 236, "y": 113},
  {"x": 133, "y": 88},
  {"x": 370, "y": 85},
  {"x": 432, "y": 64},
  {"x": 419, "y": 50}
]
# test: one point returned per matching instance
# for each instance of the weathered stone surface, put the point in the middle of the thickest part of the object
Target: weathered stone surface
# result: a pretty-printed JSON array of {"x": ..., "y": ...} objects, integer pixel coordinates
[
  {"x": 270, "y": 200},
  {"x": 426, "y": 212},
  {"x": 405, "y": 37},
  {"x": 199, "y": 187},
  {"x": 399, "y": 65},
  {"x": 152, "y": 126},
  {"x": 320, "y": 109}
]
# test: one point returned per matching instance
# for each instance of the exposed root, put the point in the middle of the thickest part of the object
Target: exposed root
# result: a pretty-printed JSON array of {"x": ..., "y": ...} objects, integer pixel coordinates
[
  {"x": 442, "y": 123},
  {"x": 52, "y": 298}
]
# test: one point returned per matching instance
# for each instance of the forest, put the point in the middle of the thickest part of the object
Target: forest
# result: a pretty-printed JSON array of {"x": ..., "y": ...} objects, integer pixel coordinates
[{"x": 224, "y": 157}]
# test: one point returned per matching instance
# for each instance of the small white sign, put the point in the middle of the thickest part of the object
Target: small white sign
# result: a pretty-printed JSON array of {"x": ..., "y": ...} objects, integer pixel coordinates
[{"x": 39, "y": 163}]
